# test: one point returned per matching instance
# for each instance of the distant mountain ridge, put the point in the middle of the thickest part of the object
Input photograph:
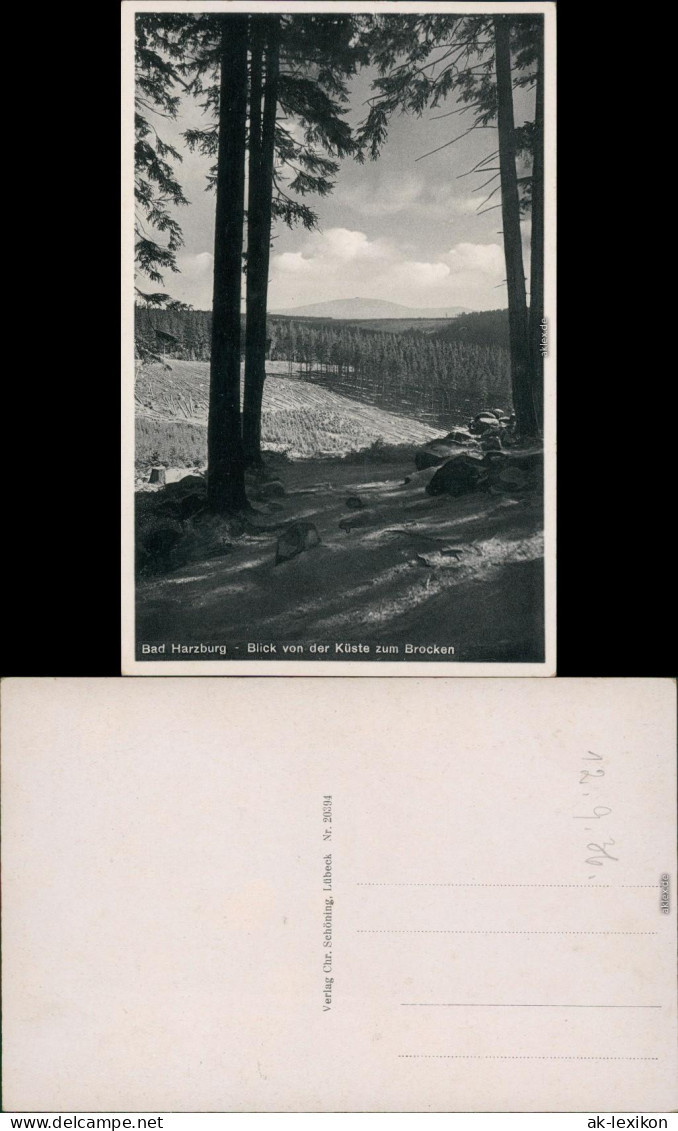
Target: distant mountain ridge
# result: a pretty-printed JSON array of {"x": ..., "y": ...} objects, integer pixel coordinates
[{"x": 368, "y": 308}]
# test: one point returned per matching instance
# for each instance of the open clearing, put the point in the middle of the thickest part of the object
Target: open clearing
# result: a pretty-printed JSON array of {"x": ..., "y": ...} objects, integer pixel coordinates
[{"x": 298, "y": 417}]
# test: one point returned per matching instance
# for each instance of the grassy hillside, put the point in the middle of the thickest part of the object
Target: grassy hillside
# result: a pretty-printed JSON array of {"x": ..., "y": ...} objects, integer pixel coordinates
[{"x": 298, "y": 418}]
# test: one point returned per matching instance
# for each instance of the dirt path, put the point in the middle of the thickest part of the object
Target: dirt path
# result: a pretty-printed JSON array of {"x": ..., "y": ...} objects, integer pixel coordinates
[{"x": 389, "y": 580}]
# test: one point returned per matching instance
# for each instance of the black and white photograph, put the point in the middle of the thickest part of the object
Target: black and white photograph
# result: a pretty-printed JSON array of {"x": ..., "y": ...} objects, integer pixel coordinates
[{"x": 339, "y": 338}]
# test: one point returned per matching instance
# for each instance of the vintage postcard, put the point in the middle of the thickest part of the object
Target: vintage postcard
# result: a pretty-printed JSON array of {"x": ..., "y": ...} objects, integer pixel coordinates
[
  {"x": 339, "y": 338},
  {"x": 319, "y": 895}
]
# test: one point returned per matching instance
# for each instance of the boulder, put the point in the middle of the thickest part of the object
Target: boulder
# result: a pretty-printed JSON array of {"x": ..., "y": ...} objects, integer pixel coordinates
[
  {"x": 483, "y": 422},
  {"x": 461, "y": 435},
  {"x": 296, "y": 538},
  {"x": 437, "y": 452},
  {"x": 458, "y": 477},
  {"x": 491, "y": 441},
  {"x": 176, "y": 474},
  {"x": 418, "y": 478},
  {"x": 354, "y": 503},
  {"x": 515, "y": 469},
  {"x": 187, "y": 485}
]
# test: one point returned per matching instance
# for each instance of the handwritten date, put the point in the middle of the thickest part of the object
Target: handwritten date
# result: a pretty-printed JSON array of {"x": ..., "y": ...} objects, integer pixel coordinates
[{"x": 592, "y": 779}]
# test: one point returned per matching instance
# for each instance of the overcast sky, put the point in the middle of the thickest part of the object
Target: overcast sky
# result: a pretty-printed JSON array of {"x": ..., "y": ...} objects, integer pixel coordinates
[{"x": 396, "y": 228}]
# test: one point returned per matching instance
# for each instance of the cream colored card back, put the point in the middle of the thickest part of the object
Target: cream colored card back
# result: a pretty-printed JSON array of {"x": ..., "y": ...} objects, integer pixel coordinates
[{"x": 356, "y": 895}]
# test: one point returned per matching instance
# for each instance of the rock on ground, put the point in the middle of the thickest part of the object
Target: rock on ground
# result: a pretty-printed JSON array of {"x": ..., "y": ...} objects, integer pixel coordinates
[
  {"x": 299, "y": 536},
  {"x": 457, "y": 477}
]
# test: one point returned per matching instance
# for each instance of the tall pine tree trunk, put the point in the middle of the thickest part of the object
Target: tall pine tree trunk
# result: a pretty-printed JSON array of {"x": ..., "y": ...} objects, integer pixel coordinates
[
  {"x": 252, "y": 329},
  {"x": 537, "y": 242},
  {"x": 225, "y": 466},
  {"x": 523, "y": 403},
  {"x": 258, "y": 245}
]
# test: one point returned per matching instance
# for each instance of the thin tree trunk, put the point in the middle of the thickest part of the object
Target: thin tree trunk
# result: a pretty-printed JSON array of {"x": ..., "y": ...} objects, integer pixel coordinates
[
  {"x": 254, "y": 220},
  {"x": 225, "y": 467},
  {"x": 258, "y": 255},
  {"x": 537, "y": 243},
  {"x": 513, "y": 251}
]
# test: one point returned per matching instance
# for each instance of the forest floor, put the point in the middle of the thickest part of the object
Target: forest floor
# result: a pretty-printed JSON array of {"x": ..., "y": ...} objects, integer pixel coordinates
[{"x": 405, "y": 568}]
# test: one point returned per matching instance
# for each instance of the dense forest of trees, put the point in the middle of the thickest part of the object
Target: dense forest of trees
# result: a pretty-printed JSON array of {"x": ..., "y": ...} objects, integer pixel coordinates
[
  {"x": 426, "y": 375},
  {"x": 177, "y": 333},
  {"x": 419, "y": 374},
  {"x": 482, "y": 327},
  {"x": 180, "y": 332}
]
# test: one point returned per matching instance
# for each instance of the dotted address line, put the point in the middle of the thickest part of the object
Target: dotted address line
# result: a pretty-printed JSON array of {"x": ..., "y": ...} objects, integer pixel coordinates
[
  {"x": 388, "y": 884},
  {"x": 446, "y": 931},
  {"x": 461, "y": 1056}
]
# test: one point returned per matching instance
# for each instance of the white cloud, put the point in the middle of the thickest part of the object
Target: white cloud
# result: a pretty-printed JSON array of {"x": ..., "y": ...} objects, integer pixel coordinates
[
  {"x": 337, "y": 263},
  {"x": 337, "y": 250},
  {"x": 347, "y": 245},
  {"x": 291, "y": 263},
  {"x": 486, "y": 258},
  {"x": 419, "y": 275},
  {"x": 343, "y": 263}
]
